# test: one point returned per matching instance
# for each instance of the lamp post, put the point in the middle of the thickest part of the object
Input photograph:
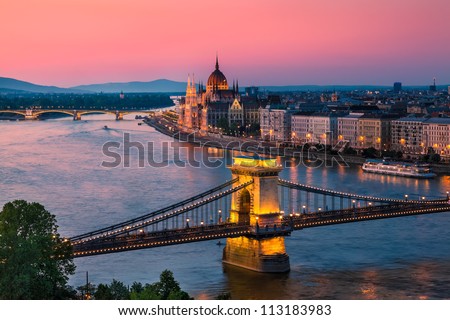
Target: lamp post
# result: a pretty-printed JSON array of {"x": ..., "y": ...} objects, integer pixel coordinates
[
  {"x": 187, "y": 223},
  {"x": 406, "y": 197},
  {"x": 304, "y": 209}
]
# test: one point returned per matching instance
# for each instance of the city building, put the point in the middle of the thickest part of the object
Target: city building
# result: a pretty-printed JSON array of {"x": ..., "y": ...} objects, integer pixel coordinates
[
  {"x": 397, "y": 87},
  {"x": 374, "y": 131},
  {"x": 436, "y": 135},
  {"x": 308, "y": 127},
  {"x": 419, "y": 136},
  {"x": 408, "y": 137},
  {"x": 433, "y": 87},
  {"x": 348, "y": 130},
  {"x": 275, "y": 123}
]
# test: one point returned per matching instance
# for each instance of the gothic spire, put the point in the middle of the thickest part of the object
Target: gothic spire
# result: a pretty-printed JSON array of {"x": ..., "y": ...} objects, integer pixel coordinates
[{"x": 217, "y": 61}]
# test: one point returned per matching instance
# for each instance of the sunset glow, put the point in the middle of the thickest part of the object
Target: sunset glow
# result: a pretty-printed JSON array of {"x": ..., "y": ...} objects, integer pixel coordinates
[{"x": 260, "y": 42}]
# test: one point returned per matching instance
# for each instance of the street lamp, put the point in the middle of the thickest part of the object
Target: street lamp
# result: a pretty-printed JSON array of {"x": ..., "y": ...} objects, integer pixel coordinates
[
  {"x": 406, "y": 197},
  {"x": 187, "y": 223},
  {"x": 354, "y": 204},
  {"x": 304, "y": 209}
]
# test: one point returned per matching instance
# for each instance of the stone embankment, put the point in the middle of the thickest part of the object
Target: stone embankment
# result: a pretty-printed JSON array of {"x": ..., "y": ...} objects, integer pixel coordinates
[{"x": 261, "y": 147}]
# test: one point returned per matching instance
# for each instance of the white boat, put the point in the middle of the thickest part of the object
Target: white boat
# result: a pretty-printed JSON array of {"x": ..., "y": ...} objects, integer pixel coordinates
[{"x": 397, "y": 168}]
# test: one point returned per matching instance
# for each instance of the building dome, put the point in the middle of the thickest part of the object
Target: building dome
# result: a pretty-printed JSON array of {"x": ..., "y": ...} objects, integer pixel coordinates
[{"x": 217, "y": 79}]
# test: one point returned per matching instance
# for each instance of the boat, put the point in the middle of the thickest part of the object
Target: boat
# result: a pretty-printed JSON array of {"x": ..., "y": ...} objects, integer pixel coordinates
[
  {"x": 398, "y": 168},
  {"x": 105, "y": 127}
]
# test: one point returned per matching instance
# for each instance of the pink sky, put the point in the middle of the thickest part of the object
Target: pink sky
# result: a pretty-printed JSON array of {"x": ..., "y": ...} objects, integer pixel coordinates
[{"x": 260, "y": 42}]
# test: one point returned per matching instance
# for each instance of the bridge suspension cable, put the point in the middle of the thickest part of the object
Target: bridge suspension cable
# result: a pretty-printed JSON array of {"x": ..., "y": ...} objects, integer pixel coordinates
[
  {"x": 157, "y": 218},
  {"x": 154, "y": 213},
  {"x": 312, "y": 189}
]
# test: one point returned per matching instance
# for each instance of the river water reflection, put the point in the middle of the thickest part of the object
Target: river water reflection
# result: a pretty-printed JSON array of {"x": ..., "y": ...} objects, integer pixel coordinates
[{"x": 58, "y": 163}]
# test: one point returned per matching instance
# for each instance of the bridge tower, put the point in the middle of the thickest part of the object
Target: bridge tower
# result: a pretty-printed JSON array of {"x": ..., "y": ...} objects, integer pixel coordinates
[{"x": 258, "y": 205}]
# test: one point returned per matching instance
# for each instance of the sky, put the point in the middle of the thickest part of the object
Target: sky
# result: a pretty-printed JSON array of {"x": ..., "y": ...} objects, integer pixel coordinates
[{"x": 259, "y": 42}]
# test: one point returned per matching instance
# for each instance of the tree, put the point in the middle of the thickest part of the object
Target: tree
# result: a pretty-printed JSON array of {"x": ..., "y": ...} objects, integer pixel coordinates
[
  {"x": 369, "y": 152},
  {"x": 350, "y": 151},
  {"x": 35, "y": 261},
  {"x": 224, "y": 296},
  {"x": 103, "y": 292},
  {"x": 222, "y": 123},
  {"x": 167, "y": 288},
  {"x": 137, "y": 287},
  {"x": 435, "y": 158},
  {"x": 119, "y": 291}
]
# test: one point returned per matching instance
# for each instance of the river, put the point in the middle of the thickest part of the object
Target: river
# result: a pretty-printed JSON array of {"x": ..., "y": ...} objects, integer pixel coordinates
[{"x": 59, "y": 163}]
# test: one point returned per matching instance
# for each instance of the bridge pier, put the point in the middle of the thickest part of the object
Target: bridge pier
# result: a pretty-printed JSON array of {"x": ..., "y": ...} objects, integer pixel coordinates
[
  {"x": 261, "y": 255},
  {"x": 76, "y": 116},
  {"x": 257, "y": 205},
  {"x": 30, "y": 115}
]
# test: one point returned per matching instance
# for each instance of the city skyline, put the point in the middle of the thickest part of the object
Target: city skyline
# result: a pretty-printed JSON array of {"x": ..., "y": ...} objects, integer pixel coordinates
[{"x": 260, "y": 42}]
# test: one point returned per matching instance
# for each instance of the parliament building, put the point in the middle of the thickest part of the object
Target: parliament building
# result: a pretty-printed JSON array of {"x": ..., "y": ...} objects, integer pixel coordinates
[{"x": 206, "y": 109}]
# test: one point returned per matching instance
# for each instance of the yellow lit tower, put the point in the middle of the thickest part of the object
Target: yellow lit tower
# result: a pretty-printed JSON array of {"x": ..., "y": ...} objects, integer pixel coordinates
[{"x": 258, "y": 205}]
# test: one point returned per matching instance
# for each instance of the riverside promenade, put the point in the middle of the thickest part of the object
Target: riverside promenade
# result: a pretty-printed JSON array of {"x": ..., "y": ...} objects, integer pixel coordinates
[{"x": 260, "y": 147}]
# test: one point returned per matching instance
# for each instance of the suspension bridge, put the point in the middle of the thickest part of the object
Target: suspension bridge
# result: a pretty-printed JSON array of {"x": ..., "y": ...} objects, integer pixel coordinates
[{"x": 254, "y": 211}]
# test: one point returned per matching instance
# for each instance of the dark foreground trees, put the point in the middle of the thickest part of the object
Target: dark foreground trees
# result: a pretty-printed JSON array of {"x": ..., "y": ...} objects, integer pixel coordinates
[
  {"x": 35, "y": 261},
  {"x": 167, "y": 288}
]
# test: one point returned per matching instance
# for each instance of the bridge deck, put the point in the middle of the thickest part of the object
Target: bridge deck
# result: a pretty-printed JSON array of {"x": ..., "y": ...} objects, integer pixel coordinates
[{"x": 228, "y": 230}]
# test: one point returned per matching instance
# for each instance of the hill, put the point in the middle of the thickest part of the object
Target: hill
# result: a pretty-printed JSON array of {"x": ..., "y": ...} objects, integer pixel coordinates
[
  {"x": 9, "y": 84},
  {"x": 161, "y": 85}
]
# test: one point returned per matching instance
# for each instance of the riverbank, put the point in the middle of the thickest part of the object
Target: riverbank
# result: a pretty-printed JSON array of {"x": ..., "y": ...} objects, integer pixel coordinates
[{"x": 262, "y": 148}]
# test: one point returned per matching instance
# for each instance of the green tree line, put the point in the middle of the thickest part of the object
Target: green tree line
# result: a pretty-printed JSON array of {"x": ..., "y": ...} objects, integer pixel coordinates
[{"x": 136, "y": 101}]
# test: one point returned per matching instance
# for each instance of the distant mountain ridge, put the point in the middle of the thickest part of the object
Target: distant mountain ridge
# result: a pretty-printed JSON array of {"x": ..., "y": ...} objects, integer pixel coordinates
[
  {"x": 9, "y": 85},
  {"x": 12, "y": 85},
  {"x": 160, "y": 85}
]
